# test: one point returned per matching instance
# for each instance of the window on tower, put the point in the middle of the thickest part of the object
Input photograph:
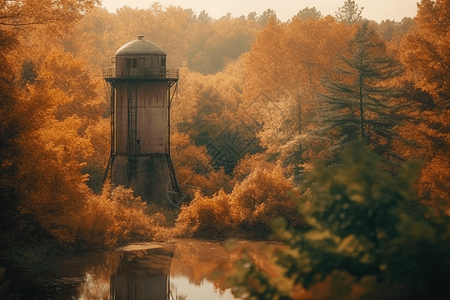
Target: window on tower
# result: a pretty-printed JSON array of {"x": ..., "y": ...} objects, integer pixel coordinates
[{"x": 131, "y": 63}]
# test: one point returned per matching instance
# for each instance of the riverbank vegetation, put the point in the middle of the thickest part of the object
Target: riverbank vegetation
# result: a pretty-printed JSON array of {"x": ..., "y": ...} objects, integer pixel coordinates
[
  {"x": 366, "y": 238},
  {"x": 259, "y": 102}
]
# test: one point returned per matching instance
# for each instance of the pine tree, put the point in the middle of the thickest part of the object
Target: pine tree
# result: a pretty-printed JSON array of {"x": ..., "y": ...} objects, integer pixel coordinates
[{"x": 359, "y": 102}]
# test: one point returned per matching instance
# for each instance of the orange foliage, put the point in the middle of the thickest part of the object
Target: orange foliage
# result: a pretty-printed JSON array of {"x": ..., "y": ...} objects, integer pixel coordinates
[
  {"x": 266, "y": 64},
  {"x": 432, "y": 148},
  {"x": 286, "y": 57},
  {"x": 424, "y": 51},
  {"x": 206, "y": 104},
  {"x": 283, "y": 72},
  {"x": 96, "y": 221},
  {"x": 114, "y": 216},
  {"x": 312, "y": 45},
  {"x": 31, "y": 12},
  {"x": 247, "y": 164},
  {"x": 99, "y": 135},
  {"x": 206, "y": 217},
  {"x": 56, "y": 196},
  {"x": 60, "y": 106},
  {"x": 86, "y": 99},
  {"x": 261, "y": 197},
  {"x": 248, "y": 210},
  {"x": 193, "y": 167}
]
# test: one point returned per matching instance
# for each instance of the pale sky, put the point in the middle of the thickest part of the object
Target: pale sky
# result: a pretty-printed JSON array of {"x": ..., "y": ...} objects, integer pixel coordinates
[{"x": 376, "y": 10}]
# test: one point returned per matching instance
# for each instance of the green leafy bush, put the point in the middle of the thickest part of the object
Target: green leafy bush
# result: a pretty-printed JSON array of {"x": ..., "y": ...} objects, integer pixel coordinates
[{"x": 366, "y": 236}]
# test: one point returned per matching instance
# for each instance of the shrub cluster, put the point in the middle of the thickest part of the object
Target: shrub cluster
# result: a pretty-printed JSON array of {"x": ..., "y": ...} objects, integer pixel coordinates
[
  {"x": 100, "y": 221},
  {"x": 247, "y": 211}
]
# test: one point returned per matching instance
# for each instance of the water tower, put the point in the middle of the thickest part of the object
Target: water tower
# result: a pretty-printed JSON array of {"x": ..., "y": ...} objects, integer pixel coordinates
[
  {"x": 142, "y": 90},
  {"x": 143, "y": 275}
]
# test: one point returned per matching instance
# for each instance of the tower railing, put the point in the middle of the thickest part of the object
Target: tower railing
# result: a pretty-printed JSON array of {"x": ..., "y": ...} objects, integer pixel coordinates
[{"x": 140, "y": 72}]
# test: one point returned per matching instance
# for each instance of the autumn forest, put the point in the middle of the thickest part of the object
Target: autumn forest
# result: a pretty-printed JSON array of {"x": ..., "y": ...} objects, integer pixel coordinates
[{"x": 338, "y": 124}]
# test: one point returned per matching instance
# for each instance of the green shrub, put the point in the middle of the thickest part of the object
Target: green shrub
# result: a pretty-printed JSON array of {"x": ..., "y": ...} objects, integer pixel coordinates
[{"x": 365, "y": 233}]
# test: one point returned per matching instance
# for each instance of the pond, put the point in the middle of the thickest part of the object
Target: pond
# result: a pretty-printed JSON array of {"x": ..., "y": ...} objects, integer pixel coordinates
[{"x": 180, "y": 270}]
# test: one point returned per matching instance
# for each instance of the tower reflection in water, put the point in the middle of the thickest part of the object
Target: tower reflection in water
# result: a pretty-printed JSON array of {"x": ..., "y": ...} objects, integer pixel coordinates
[{"x": 143, "y": 275}]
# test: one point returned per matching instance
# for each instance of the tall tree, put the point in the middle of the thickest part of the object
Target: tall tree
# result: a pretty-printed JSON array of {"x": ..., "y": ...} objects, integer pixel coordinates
[
  {"x": 426, "y": 50},
  {"x": 265, "y": 64},
  {"x": 309, "y": 53},
  {"x": 359, "y": 99},
  {"x": 426, "y": 54},
  {"x": 349, "y": 13},
  {"x": 312, "y": 45}
]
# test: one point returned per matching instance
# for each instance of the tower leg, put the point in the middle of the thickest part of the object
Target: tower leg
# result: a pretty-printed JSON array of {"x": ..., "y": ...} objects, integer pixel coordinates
[{"x": 155, "y": 179}]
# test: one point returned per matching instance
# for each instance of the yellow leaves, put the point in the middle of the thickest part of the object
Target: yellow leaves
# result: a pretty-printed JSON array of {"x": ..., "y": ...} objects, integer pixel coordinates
[
  {"x": 262, "y": 194},
  {"x": 265, "y": 64},
  {"x": 62, "y": 136},
  {"x": 103, "y": 220},
  {"x": 60, "y": 106},
  {"x": 285, "y": 63},
  {"x": 206, "y": 217},
  {"x": 260, "y": 198},
  {"x": 99, "y": 134},
  {"x": 211, "y": 96},
  {"x": 425, "y": 54},
  {"x": 285, "y": 57},
  {"x": 425, "y": 51},
  {"x": 53, "y": 145},
  {"x": 34, "y": 12},
  {"x": 54, "y": 151},
  {"x": 312, "y": 45},
  {"x": 193, "y": 167},
  {"x": 62, "y": 72},
  {"x": 65, "y": 79},
  {"x": 125, "y": 197}
]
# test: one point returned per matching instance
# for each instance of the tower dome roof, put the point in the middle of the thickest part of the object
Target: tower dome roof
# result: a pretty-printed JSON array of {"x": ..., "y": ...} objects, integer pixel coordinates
[{"x": 140, "y": 46}]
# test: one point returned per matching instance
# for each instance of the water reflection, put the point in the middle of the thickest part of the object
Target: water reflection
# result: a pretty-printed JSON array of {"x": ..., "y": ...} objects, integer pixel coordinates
[
  {"x": 175, "y": 271},
  {"x": 143, "y": 275}
]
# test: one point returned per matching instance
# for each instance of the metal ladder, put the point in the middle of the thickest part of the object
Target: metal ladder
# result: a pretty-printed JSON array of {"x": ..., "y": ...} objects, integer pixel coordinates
[{"x": 132, "y": 129}]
